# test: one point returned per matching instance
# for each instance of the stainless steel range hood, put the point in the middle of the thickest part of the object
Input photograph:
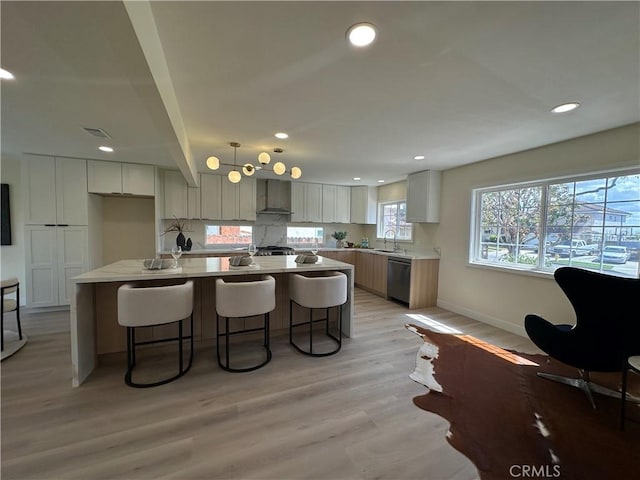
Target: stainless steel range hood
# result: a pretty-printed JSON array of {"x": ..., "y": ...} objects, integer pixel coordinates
[{"x": 274, "y": 197}]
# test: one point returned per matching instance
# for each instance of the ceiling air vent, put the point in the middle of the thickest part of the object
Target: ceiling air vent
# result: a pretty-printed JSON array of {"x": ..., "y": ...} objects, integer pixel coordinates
[{"x": 97, "y": 132}]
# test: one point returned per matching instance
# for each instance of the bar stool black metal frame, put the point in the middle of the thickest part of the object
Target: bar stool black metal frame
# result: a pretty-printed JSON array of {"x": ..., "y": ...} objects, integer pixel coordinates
[
  {"x": 15, "y": 285},
  {"x": 131, "y": 352},
  {"x": 634, "y": 368},
  {"x": 226, "y": 334},
  {"x": 310, "y": 323}
]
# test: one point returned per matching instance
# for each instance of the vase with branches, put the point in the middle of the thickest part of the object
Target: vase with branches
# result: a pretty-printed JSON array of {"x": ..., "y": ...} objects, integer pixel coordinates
[{"x": 176, "y": 225}]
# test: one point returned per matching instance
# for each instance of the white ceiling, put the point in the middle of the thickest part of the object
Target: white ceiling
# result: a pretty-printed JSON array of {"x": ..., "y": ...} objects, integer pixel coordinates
[{"x": 458, "y": 82}]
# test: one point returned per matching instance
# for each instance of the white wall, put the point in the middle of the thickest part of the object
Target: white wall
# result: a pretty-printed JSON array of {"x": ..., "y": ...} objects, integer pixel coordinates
[
  {"x": 503, "y": 298},
  {"x": 12, "y": 256}
]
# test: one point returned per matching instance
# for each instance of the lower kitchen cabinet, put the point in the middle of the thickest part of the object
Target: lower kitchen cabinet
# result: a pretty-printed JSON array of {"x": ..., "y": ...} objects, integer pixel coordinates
[
  {"x": 54, "y": 255},
  {"x": 371, "y": 272},
  {"x": 347, "y": 256}
]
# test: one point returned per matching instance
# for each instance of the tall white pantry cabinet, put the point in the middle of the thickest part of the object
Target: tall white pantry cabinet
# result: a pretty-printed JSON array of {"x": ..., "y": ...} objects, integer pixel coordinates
[{"x": 56, "y": 231}]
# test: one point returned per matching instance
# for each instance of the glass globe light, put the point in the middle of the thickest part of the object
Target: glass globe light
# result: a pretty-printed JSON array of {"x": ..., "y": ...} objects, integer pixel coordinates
[
  {"x": 264, "y": 158},
  {"x": 234, "y": 176},
  {"x": 296, "y": 173},
  {"x": 213, "y": 163},
  {"x": 248, "y": 169},
  {"x": 279, "y": 168}
]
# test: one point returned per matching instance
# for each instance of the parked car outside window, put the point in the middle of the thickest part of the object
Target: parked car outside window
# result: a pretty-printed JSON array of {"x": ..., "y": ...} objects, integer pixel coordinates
[{"x": 615, "y": 254}]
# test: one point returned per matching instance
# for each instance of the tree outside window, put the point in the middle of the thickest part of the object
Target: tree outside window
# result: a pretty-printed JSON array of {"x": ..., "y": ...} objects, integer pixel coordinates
[{"x": 392, "y": 216}]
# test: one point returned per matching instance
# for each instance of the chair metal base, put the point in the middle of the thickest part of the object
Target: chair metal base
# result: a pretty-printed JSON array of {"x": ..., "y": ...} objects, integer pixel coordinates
[
  {"x": 309, "y": 323},
  {"x": 17, "y": 310},
  {"x": 586, "y": 386},
  {"x": 131, "y": 355},
  {"x": 267, "y": 340}
]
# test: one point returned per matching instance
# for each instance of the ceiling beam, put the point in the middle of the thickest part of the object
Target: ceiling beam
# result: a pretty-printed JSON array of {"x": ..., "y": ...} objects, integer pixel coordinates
[{"x": 145, "y": 28}]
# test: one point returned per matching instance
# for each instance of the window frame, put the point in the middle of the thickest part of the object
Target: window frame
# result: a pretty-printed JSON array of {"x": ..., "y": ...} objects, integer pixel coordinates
[
  {"x": 380, "y": 226},
  {"x": 226, "y": 246},
  {"x": 539, "y": 269}
]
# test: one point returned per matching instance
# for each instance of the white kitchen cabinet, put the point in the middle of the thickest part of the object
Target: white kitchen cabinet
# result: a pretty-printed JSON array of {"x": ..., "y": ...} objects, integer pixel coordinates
[
  {"x": 239, "y": 200},
  {"x": 328, "y": 204},
  {"x": 306, "y": 202},
  {"x": 56, "y": 191},
  {"x": 114, "y": 178},
  {"x": 364, "y": 205},
  {"x": 343, "y": 204},
  {"x": 211, "y": 197},
  {"x": 336, "y": 204},
  {"x": 193, "y": 203},
  {"x": 138, "y": 179},
  {"x": 53, "y": 256},
  {"x": 423, "y": 197},
  {"x": 176, "y": 195}
]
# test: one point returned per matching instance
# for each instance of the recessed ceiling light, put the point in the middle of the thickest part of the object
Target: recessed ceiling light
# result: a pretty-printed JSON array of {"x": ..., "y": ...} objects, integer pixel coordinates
[
  {"x": 565, "y": 107},
  {"x": 6, "y": 74},
  {"x": 281, "y": 135},
  {"x": 419, "y": 157},
  {"x": 380, "y": 181},
  {"x": 361, "y": 34},
  {"x": 356, "y": 178},
  {"x": 105, "y": 149}
]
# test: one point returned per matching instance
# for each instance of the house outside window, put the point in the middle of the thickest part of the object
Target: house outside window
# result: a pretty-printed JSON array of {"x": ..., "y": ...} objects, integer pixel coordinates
[
  {"x": 543, "y": 225},
  {"x": 304, "y": 236},
  {"x": 228, "y": 235},
  {"x": 392, "y": 218}
]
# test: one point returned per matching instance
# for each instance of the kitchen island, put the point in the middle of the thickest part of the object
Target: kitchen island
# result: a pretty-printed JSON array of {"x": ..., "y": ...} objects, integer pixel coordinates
[{"x": 94, "y": 327}]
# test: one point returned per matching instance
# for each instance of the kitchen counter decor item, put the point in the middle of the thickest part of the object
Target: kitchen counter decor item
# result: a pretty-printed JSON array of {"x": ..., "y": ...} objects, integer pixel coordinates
[
  {"x": 180, "y": 227},
  {"x": 339, "y": 236}
]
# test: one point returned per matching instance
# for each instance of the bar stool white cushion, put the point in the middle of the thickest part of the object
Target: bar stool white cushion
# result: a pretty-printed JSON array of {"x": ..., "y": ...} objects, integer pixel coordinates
[
  {"x": 318, "y": 292},
  {"x": 140, "y": 306},
  {"x": 312, "y": 292},
  {"x": 145, "y": 306},
  {"x": 236, "y": 300},
  {"x": 245, "y": 299}
]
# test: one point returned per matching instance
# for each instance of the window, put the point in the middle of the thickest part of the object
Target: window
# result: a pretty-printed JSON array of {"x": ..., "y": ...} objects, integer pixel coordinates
[
  {"x": 392, "y": 217},
  {"x": 228, "y": 235},
  {"x": 543, "y": 225},
  {"x": 304, "y": 235}
]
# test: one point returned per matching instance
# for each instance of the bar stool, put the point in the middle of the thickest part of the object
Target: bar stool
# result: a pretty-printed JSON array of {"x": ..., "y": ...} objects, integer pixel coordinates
[
  {"x": 240, "y": 300},
  {"x": 9, "y": 287},
  {"x": 314, "y": 292},
  {"x": 149, "y": 307},
  {"x": 633, "y": 364}
]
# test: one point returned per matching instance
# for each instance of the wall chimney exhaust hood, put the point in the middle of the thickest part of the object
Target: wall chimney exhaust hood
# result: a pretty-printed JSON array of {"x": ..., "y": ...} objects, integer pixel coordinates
[{"x": 274, "y": 197}]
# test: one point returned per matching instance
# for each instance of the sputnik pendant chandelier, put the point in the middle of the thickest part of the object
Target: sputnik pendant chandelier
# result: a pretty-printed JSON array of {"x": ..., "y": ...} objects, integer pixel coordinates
[{"x": 264, "y": 159}]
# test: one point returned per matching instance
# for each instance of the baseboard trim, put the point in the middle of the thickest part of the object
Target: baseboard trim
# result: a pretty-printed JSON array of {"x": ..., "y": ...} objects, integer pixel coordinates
[{"x": 496, "y": 322}]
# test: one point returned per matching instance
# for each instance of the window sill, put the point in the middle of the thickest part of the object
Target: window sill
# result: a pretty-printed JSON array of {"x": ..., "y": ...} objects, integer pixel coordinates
[{"x": 508, "y": 269}]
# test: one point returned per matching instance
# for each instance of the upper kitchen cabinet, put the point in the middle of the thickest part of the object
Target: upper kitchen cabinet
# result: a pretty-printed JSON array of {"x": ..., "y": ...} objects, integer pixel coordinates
[
  {"x": 239, "y": 200},
  {"x": 194, "y": 207},
  {"x": 176, "y": 195},
  {"x": 364, "y": 204},
  {"x": 423, "y": 197},
  {"x": 56, "y": 191},
  {"x": 113, "y": 178},
  {"x": 306, "y": 202},
  {"x": 211, "y": 196},
  {"x": 336, "y": 204}
]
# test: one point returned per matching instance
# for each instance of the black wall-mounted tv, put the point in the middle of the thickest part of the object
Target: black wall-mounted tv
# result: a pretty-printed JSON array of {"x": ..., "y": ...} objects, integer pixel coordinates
[{"x": 5, "y": 214}]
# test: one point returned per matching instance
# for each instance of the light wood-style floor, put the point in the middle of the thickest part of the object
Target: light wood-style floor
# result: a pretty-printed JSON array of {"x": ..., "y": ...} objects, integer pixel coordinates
[{"x": 348, "y": 416}]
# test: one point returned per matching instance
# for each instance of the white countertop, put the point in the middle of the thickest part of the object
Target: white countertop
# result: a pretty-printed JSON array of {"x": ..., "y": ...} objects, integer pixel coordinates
[
  {"x": 411, "y": 254},
  {"x": 131, "y": 270}
]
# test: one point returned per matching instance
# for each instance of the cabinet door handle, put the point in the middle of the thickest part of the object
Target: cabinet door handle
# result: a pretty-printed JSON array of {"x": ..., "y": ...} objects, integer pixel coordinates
[
  {"x": 49, "y": 224},
  {"x": 63, "y": 224}
]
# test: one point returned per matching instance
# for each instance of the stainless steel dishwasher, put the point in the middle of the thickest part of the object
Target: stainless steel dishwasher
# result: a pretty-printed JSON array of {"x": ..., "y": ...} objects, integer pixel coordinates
[{"x": 399, "y": 278}]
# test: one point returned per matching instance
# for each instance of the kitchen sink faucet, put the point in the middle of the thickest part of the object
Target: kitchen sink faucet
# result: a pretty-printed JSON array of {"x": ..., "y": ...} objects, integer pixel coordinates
[{"x": 395, "y": 242}]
